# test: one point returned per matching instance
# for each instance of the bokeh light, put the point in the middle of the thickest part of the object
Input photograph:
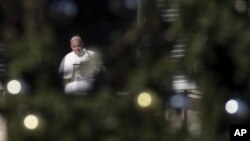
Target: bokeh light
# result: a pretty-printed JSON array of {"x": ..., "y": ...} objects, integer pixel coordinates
[
  {"x": 237, "y": 107},
  {"x": 31, "y": 122},
  {"x": 123, "y": 8},
  {"x": 131, "y": 4},
  {"x": 179, "y": 101},
  {"x": 144, "y": 99},
  {"x": 14, "y": 87},
  {"x": 63, "y": 11},
  {"x": 240, "y": 6},
  {"x": 231, "y": 106}
]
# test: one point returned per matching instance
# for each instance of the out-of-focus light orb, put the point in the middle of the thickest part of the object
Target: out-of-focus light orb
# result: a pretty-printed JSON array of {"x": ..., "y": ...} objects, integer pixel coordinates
[
  {"x": 131, "y": 4},
  {"x": 232, "y": 106},
  {"x": 123, "y": 8},
  {"x": 144, "y": 99},
  {"x": 63, "y": 11},
  {"x": 178, "y": 101},
  {"x": 119, "y": 4},
  {"x": 66, "y": 7},
  {"x": 240, "y": 5},
  {"x": 14, "y": 87},
  {"x": 31, "y": 122}
]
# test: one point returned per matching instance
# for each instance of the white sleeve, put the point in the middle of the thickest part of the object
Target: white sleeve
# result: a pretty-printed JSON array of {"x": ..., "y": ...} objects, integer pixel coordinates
[{"x": 66, "y": 67}]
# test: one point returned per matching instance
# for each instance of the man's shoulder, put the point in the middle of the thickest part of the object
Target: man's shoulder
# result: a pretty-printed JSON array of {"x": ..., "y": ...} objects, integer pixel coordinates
[{"x": 70, "y": 54}]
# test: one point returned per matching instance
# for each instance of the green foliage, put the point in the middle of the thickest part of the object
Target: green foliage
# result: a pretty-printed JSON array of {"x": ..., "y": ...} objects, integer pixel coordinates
[{"x": 140, "y": 60}]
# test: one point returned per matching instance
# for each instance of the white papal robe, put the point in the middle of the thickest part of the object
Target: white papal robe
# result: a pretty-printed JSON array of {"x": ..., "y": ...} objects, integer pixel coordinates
[{"x": 79, "y": 70}]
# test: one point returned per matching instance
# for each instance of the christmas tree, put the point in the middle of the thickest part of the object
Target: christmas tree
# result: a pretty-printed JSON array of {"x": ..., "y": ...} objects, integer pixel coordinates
[{"x": 170, "y": 73}]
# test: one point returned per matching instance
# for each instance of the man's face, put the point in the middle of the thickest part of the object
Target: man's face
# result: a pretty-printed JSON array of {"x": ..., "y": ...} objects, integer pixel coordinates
[{"x": 77, "y": 46}]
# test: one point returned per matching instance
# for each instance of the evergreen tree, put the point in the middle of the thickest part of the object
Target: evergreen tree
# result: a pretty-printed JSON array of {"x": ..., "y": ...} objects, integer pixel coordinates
[{"x": 131, "y": 99}]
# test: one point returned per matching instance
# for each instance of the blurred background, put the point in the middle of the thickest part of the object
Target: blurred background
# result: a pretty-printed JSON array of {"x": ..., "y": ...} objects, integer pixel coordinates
[{"x": 176, "y": 70}]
